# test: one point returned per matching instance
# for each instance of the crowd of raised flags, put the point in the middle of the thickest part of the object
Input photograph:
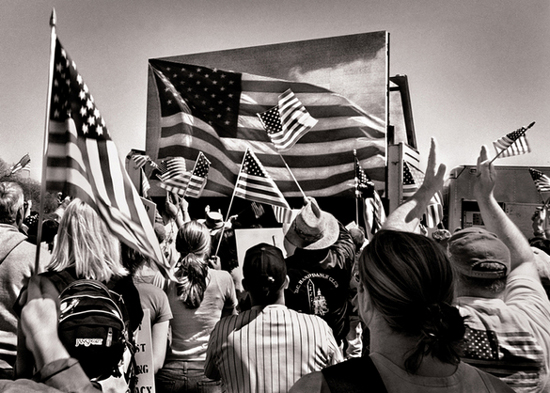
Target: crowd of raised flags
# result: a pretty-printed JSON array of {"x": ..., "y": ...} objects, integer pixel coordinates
[{"x": 82, "y": 160}]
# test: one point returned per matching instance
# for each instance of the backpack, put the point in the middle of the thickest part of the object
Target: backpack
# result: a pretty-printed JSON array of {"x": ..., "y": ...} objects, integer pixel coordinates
[{"x": 93, "y": 326}]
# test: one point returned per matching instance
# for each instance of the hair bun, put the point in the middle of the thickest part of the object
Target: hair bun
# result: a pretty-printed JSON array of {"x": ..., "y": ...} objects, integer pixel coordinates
[{"x": 443, "y": 322}]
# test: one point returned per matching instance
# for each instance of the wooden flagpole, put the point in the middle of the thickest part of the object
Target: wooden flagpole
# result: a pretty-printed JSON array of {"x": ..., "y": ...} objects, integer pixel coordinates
[
  {"x": 53, "y": 37},
  {"x": 230, "y": 205},
  {"x": 293, "y": 178},
  {"x": 503, "y": 150}
]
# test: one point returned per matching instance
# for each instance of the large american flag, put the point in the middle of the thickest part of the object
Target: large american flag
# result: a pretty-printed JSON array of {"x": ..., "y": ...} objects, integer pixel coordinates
[
  {"x": 215, "y": 111},
  {"x": 513, "y": 144},
  {"x": 255, "y": 184},
  {"x": 287, "y": 122},
  {"x": 542, "y": 182},
  {"x": 83, "y": 161}
]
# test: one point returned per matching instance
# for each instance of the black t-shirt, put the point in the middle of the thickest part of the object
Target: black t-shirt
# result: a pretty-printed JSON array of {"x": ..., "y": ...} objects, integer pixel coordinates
[{"x": 321, "y": 287}]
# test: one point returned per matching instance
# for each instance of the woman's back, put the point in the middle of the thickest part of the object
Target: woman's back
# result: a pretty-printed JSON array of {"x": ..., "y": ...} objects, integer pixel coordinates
[
  {"x": 465, "y": 379},
  {"x": 191, "y": 327}
]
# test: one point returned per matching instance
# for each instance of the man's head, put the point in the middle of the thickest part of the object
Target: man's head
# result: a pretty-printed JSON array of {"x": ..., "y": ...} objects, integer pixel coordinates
[
  {"x": 11, "y": 204},
  {"x": 313, "y": 229},
  {"x": 481, "y": 261},
  {"x": 264, "y": 271}
]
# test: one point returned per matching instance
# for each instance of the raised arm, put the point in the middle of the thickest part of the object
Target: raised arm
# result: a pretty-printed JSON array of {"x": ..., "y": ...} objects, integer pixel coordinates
[
  {"x": 407, "y": 216},
  {"x": 494, "y": 218}
]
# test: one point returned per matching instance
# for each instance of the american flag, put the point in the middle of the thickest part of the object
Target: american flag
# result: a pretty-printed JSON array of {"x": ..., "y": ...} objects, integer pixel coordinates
[
  {"x": 542, "y": 182},
  {"x": 516, "y": 357},
  {"x": 287, "y": 122},
  {"x": 215, "y": 111},
  {"x": 172, "y": 175},
  {"x": 434, "y": 211},
  {"x": 172, "y": 167},
  {"x": 283, "y": 215},
  {"x": 513, "y": 144},
  {"x": 258, "y": 209},
  {"x": 373, "y": 209},
  {"x": 140, "y": 160},
  {"x": 24, "y": 164},
  {"x": 255, "y": 184},
  {"x": 83, "y": 161},
  {"x": 412, "y": 179},
  {"x": 198, "y": 178},
  {"x": 145, "y": 185}
]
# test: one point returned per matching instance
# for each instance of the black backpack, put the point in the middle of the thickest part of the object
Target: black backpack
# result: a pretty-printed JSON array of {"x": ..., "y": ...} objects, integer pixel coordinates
[{"x": 94, "y": 327}]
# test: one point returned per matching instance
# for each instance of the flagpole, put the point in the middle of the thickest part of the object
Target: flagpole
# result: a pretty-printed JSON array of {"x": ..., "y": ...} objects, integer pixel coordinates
[
  {"x": 230, "y": 205},
  {"x": 293, "y": 178},
  {"x": 53, "y": 37},
  {"x": 503, "y": 150},
  {"x": 545, "y": 222},
  {"x": 356, "y": 190}
]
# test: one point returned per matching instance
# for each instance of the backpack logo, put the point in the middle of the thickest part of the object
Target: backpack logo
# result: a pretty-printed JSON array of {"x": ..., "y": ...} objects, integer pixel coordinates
[{"x": 88, "y": 341}]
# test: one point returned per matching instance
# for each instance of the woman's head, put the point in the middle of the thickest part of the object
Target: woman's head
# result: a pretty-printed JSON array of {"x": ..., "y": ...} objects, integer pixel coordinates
[
  {"x": 409, "y": 281},
  {"x": 85, "y": 242},
  {"x": 193, "y": 238},
  {"x": 193, "y": 243}
]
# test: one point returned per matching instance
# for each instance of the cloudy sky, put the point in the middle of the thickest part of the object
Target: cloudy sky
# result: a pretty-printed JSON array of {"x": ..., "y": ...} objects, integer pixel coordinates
[{"x": 477, "y": 69}]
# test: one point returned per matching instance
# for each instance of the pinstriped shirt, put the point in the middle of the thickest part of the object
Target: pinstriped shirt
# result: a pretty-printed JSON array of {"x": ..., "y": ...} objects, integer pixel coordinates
[{"x": 268, "y": 349}]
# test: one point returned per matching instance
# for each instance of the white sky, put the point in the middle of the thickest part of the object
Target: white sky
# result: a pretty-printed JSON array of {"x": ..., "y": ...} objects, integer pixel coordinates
[{"x": 477, "y": 69}]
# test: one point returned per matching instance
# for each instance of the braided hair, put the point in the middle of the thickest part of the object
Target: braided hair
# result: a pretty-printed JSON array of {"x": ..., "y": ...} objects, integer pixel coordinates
[{"x": 193, "y": 243}]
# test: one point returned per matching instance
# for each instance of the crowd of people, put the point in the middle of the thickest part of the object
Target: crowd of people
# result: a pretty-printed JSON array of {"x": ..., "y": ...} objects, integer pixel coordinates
[{"x": 333, "y": 312}]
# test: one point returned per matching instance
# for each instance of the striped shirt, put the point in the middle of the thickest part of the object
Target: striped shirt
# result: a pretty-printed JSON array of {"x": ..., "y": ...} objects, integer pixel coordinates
[
  {"x": 269, "y": 349},
  {"x": 510, "y": 337}
]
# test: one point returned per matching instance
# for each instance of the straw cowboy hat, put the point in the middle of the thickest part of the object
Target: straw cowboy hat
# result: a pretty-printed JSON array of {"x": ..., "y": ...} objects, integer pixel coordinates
[
  {"x": 214, "y": 221},
  {"x": 313, "y": 229}
]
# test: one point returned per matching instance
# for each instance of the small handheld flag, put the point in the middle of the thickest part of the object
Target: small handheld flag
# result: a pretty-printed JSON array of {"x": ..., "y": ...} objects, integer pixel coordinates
[
  {"x": 24, "y": 164},
  {"x": 542, "y": 182},
  {"x": 513, "y": 144},
  {"x": 255, "y": 184},
  {"x": 287, "y": 122},
  {"x": 197, "y": 178}
]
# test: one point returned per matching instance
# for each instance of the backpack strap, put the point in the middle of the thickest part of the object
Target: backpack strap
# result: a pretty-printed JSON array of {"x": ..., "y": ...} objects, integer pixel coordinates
[
  {"x": 358, "y": 375},
  {"x": 60, "y": 280},
  {"x": 19, "y": 238}
]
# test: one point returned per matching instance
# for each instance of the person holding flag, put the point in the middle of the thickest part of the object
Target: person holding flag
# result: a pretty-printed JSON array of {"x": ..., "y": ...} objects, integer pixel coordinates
[{"x": 320, "y": 268}]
